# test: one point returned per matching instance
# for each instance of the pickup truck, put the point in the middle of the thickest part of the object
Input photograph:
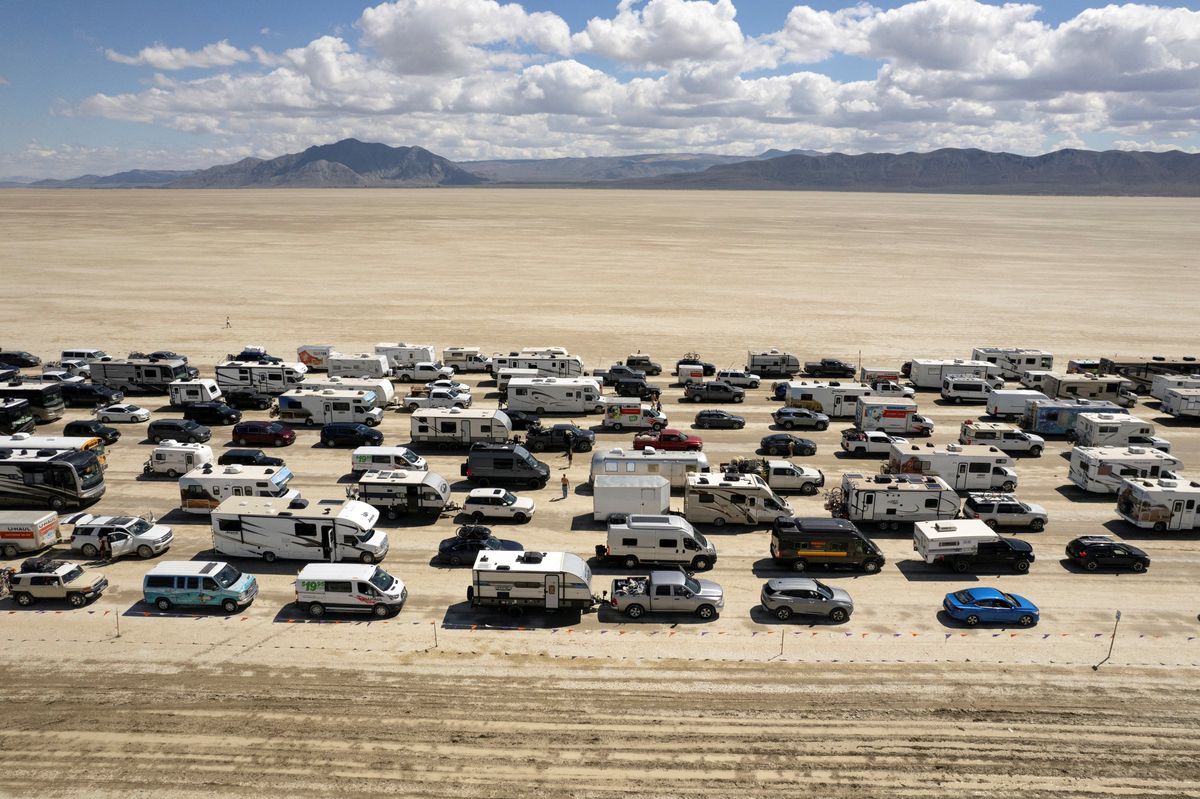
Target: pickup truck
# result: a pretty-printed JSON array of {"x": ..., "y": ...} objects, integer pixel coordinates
[
  {"x": 713, "y": 391},
  {"x": 554, "y": 438},
  {"x": 436, "y": 398},
  {"x": 889, "y": 388},
  {"x": 780, "y": 475},
  {"x": 644, "y": 364},
  {"x": 666, "y": 592},
  {"x": 637, "y": 388},
  {"x": 42, "y": 578},
  {"x": 422, "y": 372},
  {"x": 829, "y": 367},
  {"x": 668, "y": 440},
  {"x": 618, "y": 371},
  {"x": 870, "y": 442}
]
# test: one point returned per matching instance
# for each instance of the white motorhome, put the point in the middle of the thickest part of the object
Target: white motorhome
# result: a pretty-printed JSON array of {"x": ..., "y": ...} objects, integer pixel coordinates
[
  {"x": 675, "y": 466},
  {"x": 398, "y": 492},
  {"x": 204, "y": 488},
  {"x": 466, "y": 359},
  {"x": 1164, "y": 383},
  {"x": 1160, "y": 504},
  {"x": 555, "y": 395},
  {"x": 258, "y": 379},
  {"x": 173, "y": 458},
  {"x": 399, "y": 354},
  {"x": 965, "y": 467},
  {"x": 270, "y": 528},
  {"x": 1116, "y": 430},
  {"x": 186, "y": 392},
  {"x": 1101, "y": 470},
  {"x": 1034, "y": 378},
  {"x": 772, "y": 363},
  {"x": 517, "y": 580},
  {"x": 966, "y": 388},
  {"x": 300, "y": 406},
  {"x": 1014, "y": 361},
  {"x": 508, "y": 374},
  {"x": 1090, "y": 386},
  {"x": 738, "y": 499},
  {"x": 622, "y": 495},
  {"x": 1010, "y": 403},
  {"x": 930, "y": 372},
  {"x": 360, "y": 364},
  {"x": 314, "y": 356},
  {"x": 1007, "y": 437},
  {"x": 556, "y": 365},
  {"x": 832, "y": 399},
  {"x": 460, "y": 427},
  {"x": 385, "y": 392},
  {"x": 367, "y": 458},
  {"x": 889, "y": 500},
  {"x": 657, "y": 539},
  {"x": 630, "y": 412},
  {"x": 1182, "y": 402}
]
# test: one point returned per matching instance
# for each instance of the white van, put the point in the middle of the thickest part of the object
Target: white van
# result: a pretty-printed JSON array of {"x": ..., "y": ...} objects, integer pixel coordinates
[
  {"x": 85, "y": 355},
  {"x": 350, "y": 587},
  {"x": 173, "y": 458},
  {"x": 967, "y": 388},
  {"x": 657, "y": 539},
  {"x": 365, "y": 458},
  {"x": 1010, "y": 403}
]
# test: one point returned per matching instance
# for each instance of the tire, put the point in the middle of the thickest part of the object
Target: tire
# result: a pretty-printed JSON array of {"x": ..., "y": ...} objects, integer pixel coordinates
[
  {"x": 483, "y": 482},
  {"x": 381, "y": 611},
  {"x": 1091, "y": 565},
  {"x": 961, "y": 566},
  {"x": 821, "y": 426},
  {"x": 585, "y": 447},
  {"x": 783, "y": 613},
  {"x": 144, "y": 552},
  {"x": 106, "y": 419},
  {"x": 89, "y": 550},
  {"x": 241, "y": 442},
  {"x": 406, "y": 378},
  {"x": 311, "y": 422},
  {"x": 229, "y": 606},
  {"x": 618, "y": 426},
  {"x": 158, "y": 439},
  {"x": 872, "y": 566},
  {"x": 656, "y": 426},
  {"x": 706, "y": 612},
  {"x": 367, "y": 558},
  {"x": 477, "y": 517},
  {"x": 1037, "y": 525},
  {"x": 1160, "y": 527},
  {"x": 754, "y": 384},
  {"x": 1138, "y": 566},
  {"x": 635, "y": 611},
  {"x": 1008, "y": 487},
  {"x": 11, "y": 551},
  {"x": 991, "y": 523},
  {"x": 719, "y": 522},
  {"x": 269, "y": 557},
  {"x": 392, "y": 514},
  {"x": 413, "y": 407},
  {"x": 172, "y": 473},
  {"x": 807, "y": 451},
  {"x": 163, "y": 604},
  {"x": 76, "y": 599},
  {"x": 540, "y": 411},
  {"x": 789, "y": 425},
  {"x": 972, "y": 620},
  {"x": 1035, "y": 452},
  {"x": 1026, "y": 620},
  {"x": 799, "y": 565},
  {"x": 455, "y": 560},
  {"x": 537, "y": 446},
  {"x": 700, "y": 563},
  {"x": 631, "y": 562},
  {"x": 57, "y": 504},
  {"x": 1021, "y": 566},
  {"x": 741, "y": 398},
  {"x": 838, "y": 615},
  {"x": 23, "y": 599},
  {"x": 808, "y": 489},
  {"x": 520, "y": 518},
  {"x": 316, "y": 610}
]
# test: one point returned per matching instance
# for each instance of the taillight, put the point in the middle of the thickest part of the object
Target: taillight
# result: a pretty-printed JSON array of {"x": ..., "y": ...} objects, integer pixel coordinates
[
  {"x": 1082, "y": 553},
  {"x": 613, "y": 601}
]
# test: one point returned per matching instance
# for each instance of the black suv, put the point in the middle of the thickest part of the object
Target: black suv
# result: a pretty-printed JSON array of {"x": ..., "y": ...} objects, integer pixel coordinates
[
  {"x": 18, "y": 358},
  {"x": 211, "y": 413},
  {"x": 248, "y": 457},
  {"x": 504, "y": 463},
  {"x": 787, "y": 444},
  {"x": 522, "y": 420},
  {"x": 1011, "y": 552},
  {"x": 637, "y": 388},
  {"x": 89, "y": 428},
  {"x": 177, "y": 430},
  {"x": 555, "y": 438},
  {"x": 89, "y": 395},
  {"x": 714, "y": 418},
  {"x": 350, "y": 434},
  {"x": 1101, "y": 552}
]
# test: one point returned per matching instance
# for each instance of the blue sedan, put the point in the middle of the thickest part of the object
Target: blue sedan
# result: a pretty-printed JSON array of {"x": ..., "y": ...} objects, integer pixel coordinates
[{"x": 975, "y": 605}]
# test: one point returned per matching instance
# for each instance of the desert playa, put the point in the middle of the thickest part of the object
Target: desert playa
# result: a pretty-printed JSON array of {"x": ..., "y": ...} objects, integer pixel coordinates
[{"x": 120, "y": 700}]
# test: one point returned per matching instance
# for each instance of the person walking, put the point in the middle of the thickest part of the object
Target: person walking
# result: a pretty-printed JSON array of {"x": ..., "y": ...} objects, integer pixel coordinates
[
  {"x": 566, "y": 485},
  {"x": 570, "y": 450}
]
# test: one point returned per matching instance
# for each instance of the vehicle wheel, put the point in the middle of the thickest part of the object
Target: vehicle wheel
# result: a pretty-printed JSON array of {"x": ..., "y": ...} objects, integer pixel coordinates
[
  {"x": 278, "y": 442},
  {"x": 789, "y": 425},
  {"x": 808, "y": 451},
  {"x": 1091, "y": 565},
  {"x": 145, "y": 552},
  {"x": 477, "y": 517},
  {"x": 656, "y": 426},
  {"x": 1138, "y": 566},
  {"x": 76, "y": 599},
  {"x": 585, "y": 447},
  {"x": 229, "y": 606},
  {"x": 57, "y": 504},
  {"x": 972, "y": 620},
  {"x": 106, "y": 419},
  {"x": 163, "y": 604},
  {"x": 10, "y": 551},
  {"x": 635, "y": 611},
  {"x": 172, "y": 473},
  {"x": 367, "y": 557},
  {"x": 1008, "y": 487},
  {"x": 783, "y": 613},
  {"x": 1037, "y": 525},
  {"x": 1160, "y": 527},
  {"x": 961, "y": 566},
  {"x": 406, "y": 378},
  {"x": 269, "y": 557},
  {"x": 631, "y": 562},
  {"x": 838, "y": 615},
  {"x": 537, "y": 446},
  {"x": 871, "y": 566},
  {"x": 316, "y": 610},
  {"x": 741, "y": 398},
  {"x": 89, "y": 550},
  {"x": 618, "y": 426},
  {"x": 808, "y": 489},
  {"x": 706, "y": 611},
  {"x": 1035, "y": 452},
  {"x": 540, "y": 411},
  {"x": 241, "y": 442},
  {"x": 392, "y": 514},
  {"x": 719, "y": 522},
  {"x": 23, "y": 599},
  {"x": 754, "y": 384},
  {"x": 191, "y": 440},
  {"x": 956, "y": 400},
  {"x": 455, "y": 560},
  {"x": 516, "y": 612},
  {"x": 413, "y": 407},
  {"x": 991, "y": 523},
  {"x": 520, "y": 518},
  {"x": 1025, "y": 620},
  {"x": 799, "y": 565},
  {"x": 701, "y": 564},
  {"x": 1021, "y": 566},
  {"x": 381, "y": 611},
  {"x": 158, "y": 439}
]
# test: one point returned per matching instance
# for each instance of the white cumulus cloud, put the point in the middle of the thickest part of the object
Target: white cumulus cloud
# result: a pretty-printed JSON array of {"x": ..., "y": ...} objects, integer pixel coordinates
[{"x": 217, "y": 54}]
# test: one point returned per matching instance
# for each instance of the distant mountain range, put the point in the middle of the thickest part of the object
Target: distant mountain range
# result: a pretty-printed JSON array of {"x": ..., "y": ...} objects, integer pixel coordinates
[{"x": 354, "y": 164}]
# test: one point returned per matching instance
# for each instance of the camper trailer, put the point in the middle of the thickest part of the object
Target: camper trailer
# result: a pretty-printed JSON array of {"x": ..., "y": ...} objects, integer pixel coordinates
[
  {"x": 300, "y": 406},
  {"x": 466, "y": 359},
  {"x": 1010, "y": 403},
  {"x": 547, "y": 364},
  {"x": 622, "y": 413},
  {"x": 187, "y": 392},
  {"x": 890, "y": 500},
  {"x": 460, "y": 427},
  {"x": 734, "y": 498},
  {"x": 173, "y": 458},
  {"x": 361, "y": 364},
  {"x": 1164, "y": 383},
  {"x": 541, "y": 580},
  {"x": 1142, "y": 370},
  {"x": 964, "y": 467},
  {"x": 1058, "y": 417},
  {"x": 1182, "y": 402},
  {"x": 382, "y": 388},
  {"x": 396, "y": 492},
  {"x": 1160, "y": 504},
  {"x": 772, "y": 363},
  {"x": 314, "y": 356},
  {"x": 1014, "y": 361},
  {"x": 555, "y": 395},
  {"x": 258, "y": 381},
  {"x": 1100, "y": 470},
  {"x": 149, "y": 375},
  {"x": 1107, "y": 388},
  {"x": 399, "y": 354},
  {"x": 930, "y": 372},
  {"x": 274, "y": 527},
  {"x": 675, "y": 466},
  {"x": 1116, "y": 430},
  {"x": 831, "y": 399},
  {"x": 1002, "y": 436},
  {"x": 204, "y": 488},
  {"x": 891, "y": 415},
  {"x": 617, "y": 495}
]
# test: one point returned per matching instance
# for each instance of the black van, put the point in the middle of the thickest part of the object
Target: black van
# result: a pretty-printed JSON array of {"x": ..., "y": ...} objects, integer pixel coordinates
[
  {"x": 802, "y": 542},
  {"x": 504, "y": 463}
]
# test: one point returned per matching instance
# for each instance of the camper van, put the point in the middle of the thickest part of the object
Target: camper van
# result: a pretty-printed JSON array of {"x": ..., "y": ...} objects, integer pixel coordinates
[
  {"x": 1058, "y": 417},
  {"x": 1100, "y": 470},
  {"x": 557, "y": 364},
  {"x": 1010, "y": 403},
  {"x": 466, "y": 359},
  {"x": 772, "y": 363},
  {"x": 831, "y": 399},
  {"x": 398, "y": 492},
  {"x": 735, "y": 498},
  {"x": 1014, "y": 361},
  {"x": 1002, "y": 436},
  {"x": 891, "y": 415},
  {"x": 1116, "y": 430},
  {"x": 173, "y": 458},
  {"x": 361, "y": 364},
  {"x": 887, "y": 501},
  {"x": 675, "y": 466},
  {"x": 1164, "y": 383},
  {"x": 619, "y": 495},
  {"x": 385, "y": 458},
  {"x": 1182, "y": 402},
  {"x": 657, "y": 539},
  {"x": 460, "y": 428},
  {"x": 509, "y": 373},
  {"x": 204, "y": 488},
  {"x": 1109, "y": 388},
  {"x": 312, "y": 408},
  {"x": 555, "y": 395},
  {"x": 188, "y": 392},
  {"x": 399, "y": 354},
  {"x": 382, "y": 388},
  {"x": 314, "y": 356},
  {"x": 966, "y": 388},
  {"x": 519, "y": 580},
  {"x": 964, "y": 467},
  {"x": 622, "y": 413},
  {"x": 351, "y": 588},
  {"x": 274, "y": 527},
  {"x": 930, "y": 372},
  {"x": 23, "y": 531},
  {"x": 1160, "y": 504}
]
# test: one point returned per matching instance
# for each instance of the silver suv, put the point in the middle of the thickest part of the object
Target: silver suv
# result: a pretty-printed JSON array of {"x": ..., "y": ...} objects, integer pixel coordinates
[
  {"x": 803, "y": 596},
  {"x": 1004, "y": 510}
]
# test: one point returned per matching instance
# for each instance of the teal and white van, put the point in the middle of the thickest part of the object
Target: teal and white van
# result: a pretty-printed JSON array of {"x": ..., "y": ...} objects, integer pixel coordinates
[{"x": 181, "y": 583}]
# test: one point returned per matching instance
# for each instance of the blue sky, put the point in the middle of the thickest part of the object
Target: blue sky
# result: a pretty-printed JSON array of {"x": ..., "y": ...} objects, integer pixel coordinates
[{"x": 100, "y": 87}]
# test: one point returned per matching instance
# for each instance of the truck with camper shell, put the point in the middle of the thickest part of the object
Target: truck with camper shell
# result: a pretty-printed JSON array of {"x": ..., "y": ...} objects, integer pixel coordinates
[
  {"x": 543, "y": 395},
  {"x": 1116, "y": 430},
  {"x": 419, "y": 398},
  {"x": 204, "y": 488},
  {"x": 1102, "y": 470},
  {"x": 42, "y": 578},
  {"x": 772, "y": 363},
  {"x": 1006, "y": 437},
  {"x": 622, "y": 412},
  {"x": 400, "y": 354},
  {"x": 330, "y": 530},
  {"x": 1009, "y": 404},
  {"x": 668, "y": 439},
  {"x": 780, "y": 475},
  {"x": 675, "y": 466},
  {"x": 1058, "y": 417},
  {"x": 929, "y": 373},
  {"x": 189, "y": 392},
  {"x": 869, "y": 442},
  {"x": 1108, "y": 388},
  {"x": 718, "y": 499},
  {"x": 799, "y": 543},
  {"x": 173, "y": 458},
  {"x": 887, "y": 501},
  {"x": 349, "y": 588},
  {"x": 964, "y": 545},
  {"x": 660, "y": 540},
  {"x": 619, "y": 495},
  {"x": 896, "y": 415},
  {"x": 315, "y": 356},
  {"x": 1182, "y": 403},
  {"x": 666, "y": 592},
  {"x": 559, "y": 438},
  {"x": 313, "y": 408},
  {"x": 618, "y": 371},
  {"x": 1014, "y": 361},
  {"x": 466, "y": 359},
  {"x": 360, "y": 364},
  {"x": 520, "y": 580},
  {"x": 831, "y": 399},
  {"x": 456, "y": 427},
  {"x": 401, "y": 492},
  {"x": 713, "y": 391},
  {"x": 829, "y": 367},
  {"x": 1160, "y": 503},
  {"x": 965, "y": 467}
]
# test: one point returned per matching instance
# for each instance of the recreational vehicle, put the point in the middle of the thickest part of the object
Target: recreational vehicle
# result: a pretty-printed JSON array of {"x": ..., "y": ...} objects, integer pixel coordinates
[
  {"x": 466, "y": 359},
  {"x": 16, "y": 416},
  {"x": 385, "y": 458},
  {"x": 518, "y": 580},
  {"x": 1142, "y": 370},
  {"x": 1163, "y": 383},
  {"x": 1182, "y": 402},
  {"x": 965, "y": 467},
  {"x": 398, "y": 492},
  {"x": 33, "y": 443},
  {"x": 508, "y": 374},
  {"x": 1010, "y": 403},
  {"x": 314, "y": 356},
  {"x": 555, "y": 395},
  {"x": 1109, "y": 388},
  {"x": 258, "y": 380},
  {"x": 831, "y": 399},
  {"x": 735, "y": 498},
  {"x": 300, "y": 406},
  {"x": 204, "y": 488},
  {"x": 547, "y": 365},
  {"x": 400, "y": 354},
  {"x": 1014, "y": 361},
  {"x": 49, "y": 479},
  {"x": 889, "y": 500},
  {"x": 1002, "y": 436},
  {"x": 459, "y": 427},
  {"x": 361, "y": 364},
  {"x": 615, "y": 495},
  {"x": 1116, "y": 430},
  {"x": 930, "y": 372},
  {"x": 173, "y": 458},
  {"x": 270, "y": 528},
  {"x": 188, "y": 392},
  {"x": 629, "y": 412},
  {"x": 1160, "y": 504},
  {"x": 658, "y": 539},
  {"x": 675, "y": 466},
  {"x": 772, "y": 363},
  {"x": 1058, "y": 417},
  {"x": 385, "y": 392},
  {"x": 139, "y": 374},
  {"x": 1100, "y": 470}
]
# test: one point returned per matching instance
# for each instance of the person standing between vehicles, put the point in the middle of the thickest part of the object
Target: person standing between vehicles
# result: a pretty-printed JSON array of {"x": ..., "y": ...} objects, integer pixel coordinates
[
  {"x": 791, "y": 448},
  {"x": 105, "y": 548},
  {"x": 566, "y": 485}
]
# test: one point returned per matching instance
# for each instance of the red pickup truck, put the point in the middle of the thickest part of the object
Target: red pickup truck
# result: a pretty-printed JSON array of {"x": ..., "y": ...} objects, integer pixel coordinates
[{"x": 669, "y": 440}]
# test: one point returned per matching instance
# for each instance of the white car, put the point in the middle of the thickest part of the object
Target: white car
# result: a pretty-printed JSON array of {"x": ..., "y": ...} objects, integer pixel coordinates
[
  {"x": 450, "y": 385},
  {"x": 736, "y": 377},
  {"x": 497, "y": 503},
  {"x": 127, "y": 535},
  {"x": 122, "y": 412},
  {"x": 59, "y": 376}
]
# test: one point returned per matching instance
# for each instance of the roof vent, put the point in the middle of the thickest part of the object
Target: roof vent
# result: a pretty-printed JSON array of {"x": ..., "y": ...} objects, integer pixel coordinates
[{"x": 531, "y": 557}]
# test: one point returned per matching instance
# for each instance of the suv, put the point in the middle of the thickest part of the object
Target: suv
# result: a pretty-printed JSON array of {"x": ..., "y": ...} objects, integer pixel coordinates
[
  {"x": 637, "y": 387},
  {"x": 19, "y": 359},
  {"x": 555, "y": 438},
  {"x": 504, "y": 463},
  {"x": 273, "y": 433},
  {"x": 784, "y": 597},
  {"x": 127, "y": 535},
  {"x": 715, "y": 417},
  {"x": 162, "y": 430},
  {"x": 1099, "y": 551},
  {"x": 497, "y": 503},
  {"x": 462, "y": 550},
  {"x": 791, "y": 418},
  {"x": 643, "y": 363},
  {"x": 255, "y": 354},
  {"x": 693, "y": 359},
  {"x": 787, "y": 444},
  {"x": 89, "y": 395},
  {"x": 211, "y": 413},
  {"x": 1004, "y": 510},
  {"x": 349, "y": 434},
  {"x": 91, "y": 428},
  {"x": 248, "y": 457},
  {"x": 713, "y": 391},
  {"x": 737, "y": 377},
  {"x": 41, "y": 578}
]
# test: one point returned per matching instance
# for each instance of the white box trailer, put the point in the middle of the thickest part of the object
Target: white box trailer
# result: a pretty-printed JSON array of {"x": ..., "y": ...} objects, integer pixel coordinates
[
  {"x": 186, "y": 392},
  {"x": 930, "y": 372},
  {"x": 675, "y": 466},
  {"x": 400, "y": 354},
  {"x": 622, "y": 413},
  {"x": 466, "y": 359},
  {"x": 1116, "y": 430},
  {"x": 1010, "y": 403},
  {"x": 879, "y": 374},
  {"x": 314, "y": 356},
  {"x": 397, "y": 492},
  {"x": 361, "y": 364},
  {"x": 891, "y": 415},
  {"x": 518, "y": 580},
  {"x": 23, "y": 531},
  {"x": 1014, "y": 361},
  {"x": 1160, "y": 504},
  {"x": 1182, "y": 402},
  {"x": 460, "y": 427},
  {"x": 555, "y": 395},
  {"x": 1110, "y": 388},
  {"x": 301, "y": 406},
  {"x": 832, "y": 398},
  {"x": 1161, "y": 384},
  {"x": 772, "y": 363},
  {"x": 965, "y": 467},
  {"x": 173, "y": 458},
  {"x": 623, "y": 495},
  {"x": 508, "y": 374},
  {"x": 887, "y": 501},
  {"x": 205, "y": 487},
  {"x": 385, "y": 392},
  {"x": 734, "y": 498},
  {"x": 271, "y": 528},
  {"x": 1101, "y": 470}
]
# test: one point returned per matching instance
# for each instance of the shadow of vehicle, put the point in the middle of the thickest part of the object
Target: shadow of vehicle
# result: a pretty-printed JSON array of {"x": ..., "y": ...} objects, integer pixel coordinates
[
  {"x": 607, "y": 614},
  {"x": 462, "y": 616},
  {"x": 1077, "y": 494},
  {"x": 767, "y": 569},
  {"x": 760, "y": 615},
  {"x": 918, "y": 571}
]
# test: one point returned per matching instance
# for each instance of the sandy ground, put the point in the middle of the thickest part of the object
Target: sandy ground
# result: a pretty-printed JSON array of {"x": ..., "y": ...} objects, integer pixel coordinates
[{"x": 444, "y": 701}]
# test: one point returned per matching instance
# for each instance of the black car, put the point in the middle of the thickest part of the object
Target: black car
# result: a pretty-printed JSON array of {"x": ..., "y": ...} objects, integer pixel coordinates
[
  {"x": 185, "y": 430},
  {"x": 787, "y": 444},
  {"x": 458, "y": 551},
  {"x": 350, "y": 434},
  {"x": 211, "y": 413},
  {"x": 257, "y": 356},
  {"x": 522, "y": 420},
  {"x": 637, "y": 388},
  {"x": 692, "y": 359},
  {"x": 247, "y": 399},
  {"x": 716, "y": 418},
  {"x": 88, "y": 428},
  {"x": 248, "y": 457},
  {"x": 1094, "y": 552},
  {"x": 554, "y": 438},
  {"x": 19, "y": 359},
  {"x": 89, "y": 395}
]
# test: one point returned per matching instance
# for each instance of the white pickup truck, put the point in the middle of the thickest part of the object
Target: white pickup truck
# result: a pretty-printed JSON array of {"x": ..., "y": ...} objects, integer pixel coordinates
[
  {"x": 436, "y": 398},
  {"x": 888, "y": 388},
  {"x": 869, "y": 442},
  {"x": 780, "y": 475},
  {"x": 422, "y": 372}
]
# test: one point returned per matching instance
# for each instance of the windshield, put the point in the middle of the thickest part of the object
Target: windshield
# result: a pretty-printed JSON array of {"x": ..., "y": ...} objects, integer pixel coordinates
[
  {"x": 691, "y": 584},
  {"x": 140, "y": 526},
  {"x": 365, "y": 536},
  {"x": 72, "y": 575},
  {"x": 279, "y": 491},
  {"x": 409, "y": 456},
  {"x": 227, "y": 576},
  {"x": 700, "y": 539},
  {"x": 509, "y": 498},
  {"x": 824, "y": 590},
  {"x": 90, "y": 474},
  {"x": 490, "y": 543},
  {"x": 382, "y": 580}
]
